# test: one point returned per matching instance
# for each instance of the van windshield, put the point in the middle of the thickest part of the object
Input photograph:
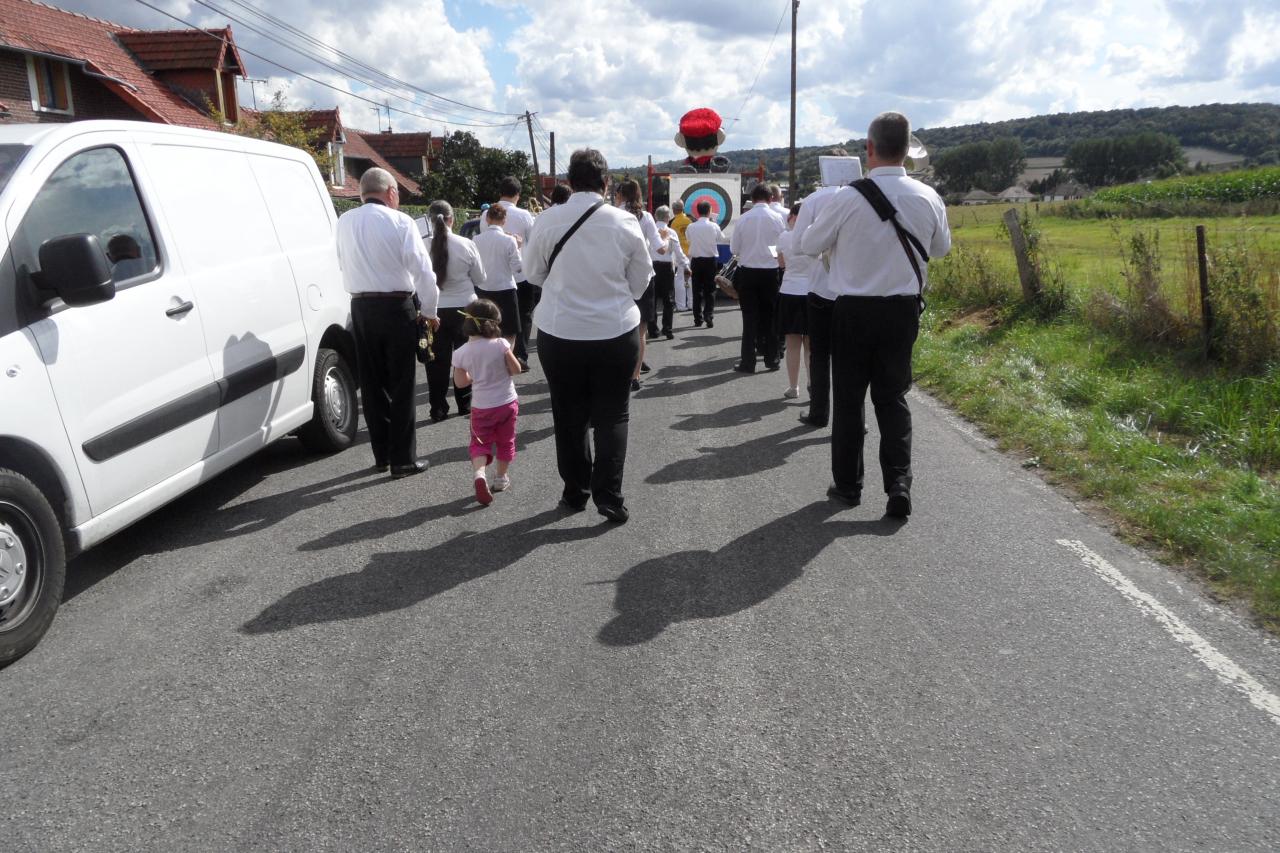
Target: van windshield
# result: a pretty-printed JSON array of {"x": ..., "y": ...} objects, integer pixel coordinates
[{"x": 10, "y": 157}]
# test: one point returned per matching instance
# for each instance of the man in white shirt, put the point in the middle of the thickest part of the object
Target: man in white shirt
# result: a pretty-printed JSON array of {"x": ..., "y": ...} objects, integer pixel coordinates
[
  {"x": 384, "y": 265},
  {"x": 519, "y": 223},
  {"x": 879, "y": 291},
  {"x": 704, "y": 237},
  {"x": 776, "y": 203},
  {"x": 754, "y": 242}
]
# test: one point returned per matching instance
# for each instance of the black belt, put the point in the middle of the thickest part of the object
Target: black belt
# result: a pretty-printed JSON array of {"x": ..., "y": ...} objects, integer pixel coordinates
[
  {"x": 380, "y": 294},
  {"x": 897, "y": 296}
]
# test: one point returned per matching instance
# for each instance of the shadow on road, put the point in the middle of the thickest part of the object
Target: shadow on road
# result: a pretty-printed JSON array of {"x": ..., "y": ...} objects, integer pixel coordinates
[
  {"x": 745, "y": 572},
  {"x": 399, "y": 580},
  {"x": 738, "y": 460},
  {"x": 731, "y": 416},
  {"x": 689, "y": 386},
  {"x": 699, "y": 368},
  {"x": 688, "y": 341}
]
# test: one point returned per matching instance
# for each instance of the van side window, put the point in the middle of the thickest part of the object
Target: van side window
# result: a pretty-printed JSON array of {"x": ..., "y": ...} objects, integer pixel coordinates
[{"x": 91, "y": 193}]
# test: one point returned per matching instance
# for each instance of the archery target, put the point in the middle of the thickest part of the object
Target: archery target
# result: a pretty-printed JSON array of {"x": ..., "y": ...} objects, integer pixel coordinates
[
  {"x": 721, "y": 206},
  {"x": 723, "y": 192}
]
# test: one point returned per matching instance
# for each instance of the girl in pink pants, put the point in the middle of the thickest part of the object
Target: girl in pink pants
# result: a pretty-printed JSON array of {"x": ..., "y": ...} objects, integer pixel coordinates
[{"x": 486, "y": 363}]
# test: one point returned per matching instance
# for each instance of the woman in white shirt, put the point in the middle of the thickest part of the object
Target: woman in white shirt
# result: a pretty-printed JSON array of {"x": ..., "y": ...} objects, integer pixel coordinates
[
  {"x": 666, "y": 268},
  {"x": 459, "y": 270},
  {"x": 589, "y": 330},
  {"x": 500, "y": 257},
  {"x": 630, "y": 201},
  {"x": 793, "y": 302}
]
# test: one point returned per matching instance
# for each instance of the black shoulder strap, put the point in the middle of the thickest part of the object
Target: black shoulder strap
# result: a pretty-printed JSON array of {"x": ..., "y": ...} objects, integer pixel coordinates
[
  {"x": 556, "y": 251},
  {"x": 887, "y": 212}
]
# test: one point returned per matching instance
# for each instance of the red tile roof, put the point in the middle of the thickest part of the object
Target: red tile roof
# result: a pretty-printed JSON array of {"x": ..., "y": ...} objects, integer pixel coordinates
[
  {"x": 404, "y": 144},
  {"x": 167, "y": 50},
  {"x": 358, "y": 147},
  {"x": 92, "y": 43}
]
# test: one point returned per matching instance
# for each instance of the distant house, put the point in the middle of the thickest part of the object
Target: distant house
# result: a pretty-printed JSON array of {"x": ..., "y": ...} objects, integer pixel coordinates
[
  {"x": 58, "y": 66},
  {"x": 1067, "y": 191},
  {"x": 976, "y": 196},
  {"x": 353, "y": 152},
  {"x": 1017, "y": 195}
]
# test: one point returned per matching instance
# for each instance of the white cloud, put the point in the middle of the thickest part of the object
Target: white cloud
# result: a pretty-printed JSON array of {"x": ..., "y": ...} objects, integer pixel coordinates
[{"x": 617, "y": 74}]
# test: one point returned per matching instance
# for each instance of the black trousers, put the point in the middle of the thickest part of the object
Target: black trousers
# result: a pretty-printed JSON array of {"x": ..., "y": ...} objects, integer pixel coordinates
[
  {"x": 704, "y": 288},
  {"x": 386, "y": 334},
  {"x": 871, "y": 342},
  {"x": 818, "y": 322},
  {"x": 758, "y": 296},
  {"x": 440, "y": 371},
  {"x": 590, "y": 387},
  {"x": 664, "y": 294},
  {"x": 526, "y": 299}
]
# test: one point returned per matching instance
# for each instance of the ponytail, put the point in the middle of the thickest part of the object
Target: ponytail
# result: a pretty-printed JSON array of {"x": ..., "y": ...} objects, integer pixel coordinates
[{"x": 440, "y": 213}]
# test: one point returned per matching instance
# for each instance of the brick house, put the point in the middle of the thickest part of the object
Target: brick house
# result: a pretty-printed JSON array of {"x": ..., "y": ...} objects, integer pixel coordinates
[
  {"x": 352, "y": 152},
  {"x": 58, "y": 66}
]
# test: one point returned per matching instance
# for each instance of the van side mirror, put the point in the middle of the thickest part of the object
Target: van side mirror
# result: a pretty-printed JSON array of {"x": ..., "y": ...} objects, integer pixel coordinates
[{"x": 76, "y": 269}]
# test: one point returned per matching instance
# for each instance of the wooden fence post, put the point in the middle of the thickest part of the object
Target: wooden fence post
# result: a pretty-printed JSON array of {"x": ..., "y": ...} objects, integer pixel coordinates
[
  {"x": 1027, "y": 272},
  {"x": 1206, "y": 304}
]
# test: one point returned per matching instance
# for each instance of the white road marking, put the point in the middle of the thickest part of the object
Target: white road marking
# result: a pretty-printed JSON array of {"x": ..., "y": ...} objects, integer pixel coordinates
[{"x": 1227, "y": 670}]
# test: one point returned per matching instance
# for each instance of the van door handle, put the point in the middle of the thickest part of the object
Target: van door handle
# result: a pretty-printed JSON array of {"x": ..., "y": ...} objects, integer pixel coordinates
[{"x": 179, "y": 310}]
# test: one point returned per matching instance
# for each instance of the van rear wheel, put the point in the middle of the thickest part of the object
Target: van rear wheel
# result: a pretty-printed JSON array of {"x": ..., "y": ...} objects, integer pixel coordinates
[
  {"x": 33, "y": 565},
  {"x": 333, "y": 424}
]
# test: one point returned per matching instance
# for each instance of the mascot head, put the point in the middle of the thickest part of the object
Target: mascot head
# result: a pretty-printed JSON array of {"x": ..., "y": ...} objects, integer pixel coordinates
[{"x": 700, "y": 135}]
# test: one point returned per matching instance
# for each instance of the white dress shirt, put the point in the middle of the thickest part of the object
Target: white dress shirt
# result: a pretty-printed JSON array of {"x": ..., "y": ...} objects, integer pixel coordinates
[
  {"x": 704, "y": 237},
  {"x": 780, "y": 209},
  {"x": 866, "y": 256},
  {"x": 662, "y": 236},
  {"x": 464, "y": 273},
  {"x": 795, "y": 281},
  {"x": 499, "y": 257},
  {"x": 590, "y": 294},
  {"x": 518, "y": 222},
  {"x": 756, "y": 231},
  {"x": 675, "y": 255},
  {"x": 380, "y": 251},
  {"x": 819, "y": 278}
]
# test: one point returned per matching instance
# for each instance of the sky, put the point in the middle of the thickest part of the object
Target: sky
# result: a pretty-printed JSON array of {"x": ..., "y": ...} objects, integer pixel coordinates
[{"x": 618, "y": 74}]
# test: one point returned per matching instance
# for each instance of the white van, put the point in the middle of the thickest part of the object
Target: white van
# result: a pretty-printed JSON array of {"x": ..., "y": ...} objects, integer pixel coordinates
[{"x": 170, "y": 302}]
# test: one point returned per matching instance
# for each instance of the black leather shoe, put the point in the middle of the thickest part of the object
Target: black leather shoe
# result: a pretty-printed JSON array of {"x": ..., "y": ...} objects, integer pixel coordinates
[
  {"x": 380, "y": 467},
  {"x": 524, "y": 365},
  {"x": 566, "y": 505},
  {"x": 615, "y": 514},
  {"x": 899, "y": 503},
  {"x": 400, "y": 471},
  {"x": 437, "y": 417},
  {"x": 697, "y": 324},
  {"x": 771, "y": 365},
  {"x": 671, "y": 336},
  {"x": 711, "y": 324},
  {"x": 852, "y": 497},
  {"x": 644, "y": 368},
  {"x": 809, "y": 420},
  {"x": 742, "y": 368},
  {"x": 635, "y": 384}
]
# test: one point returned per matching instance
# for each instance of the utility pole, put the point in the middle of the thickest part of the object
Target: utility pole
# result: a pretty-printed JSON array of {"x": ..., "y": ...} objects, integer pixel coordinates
[
  {"x": 791, "y": 178},
  {"x": 552, "y": 167},
  {"x": 537, "y": 183}
]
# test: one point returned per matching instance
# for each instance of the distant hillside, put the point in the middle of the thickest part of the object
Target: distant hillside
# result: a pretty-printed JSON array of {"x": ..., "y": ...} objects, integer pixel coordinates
[{"x": 1250, "y": 130}]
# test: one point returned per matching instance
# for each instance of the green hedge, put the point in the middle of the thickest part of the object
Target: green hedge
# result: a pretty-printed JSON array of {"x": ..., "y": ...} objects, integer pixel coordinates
[
  {"x": 1228, "y": 187},
  {"x": 342, "y": 205}
]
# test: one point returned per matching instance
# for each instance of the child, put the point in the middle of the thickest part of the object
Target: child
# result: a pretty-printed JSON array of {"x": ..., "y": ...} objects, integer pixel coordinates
[{"x": 486, "y": 363}]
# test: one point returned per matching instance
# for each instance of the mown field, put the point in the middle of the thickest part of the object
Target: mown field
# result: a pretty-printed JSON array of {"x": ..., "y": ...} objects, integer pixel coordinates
[{"x": 1111, "y": 395}]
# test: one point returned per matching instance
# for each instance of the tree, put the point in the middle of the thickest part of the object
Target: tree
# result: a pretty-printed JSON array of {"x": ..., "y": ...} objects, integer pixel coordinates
[
  {"x": 468, "y": 174},
  {"x": 278, "y": 124},
  {"x": 992, "y": 166},
  {"x": 1005, "y": 162},
  {"x": 1125, "y": 159}
]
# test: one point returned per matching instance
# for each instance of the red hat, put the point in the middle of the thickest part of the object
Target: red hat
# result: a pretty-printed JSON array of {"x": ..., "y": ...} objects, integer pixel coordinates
[{"x": 700, "y": 123}]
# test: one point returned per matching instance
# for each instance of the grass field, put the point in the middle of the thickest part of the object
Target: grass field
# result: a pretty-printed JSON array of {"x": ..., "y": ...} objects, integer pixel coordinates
[
  {"x": 1087, "y": 252},
  {"x": 1182, "y": 452}
]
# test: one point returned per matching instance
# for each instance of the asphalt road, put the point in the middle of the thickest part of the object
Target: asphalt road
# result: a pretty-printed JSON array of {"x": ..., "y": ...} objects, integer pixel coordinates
[{"x": 303, "y": 655}]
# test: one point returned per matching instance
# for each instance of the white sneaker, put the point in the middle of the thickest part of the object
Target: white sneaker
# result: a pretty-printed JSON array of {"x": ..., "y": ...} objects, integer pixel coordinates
[
  {"x": 792, "y": 392},
  {"x": 500, "y": 483}
]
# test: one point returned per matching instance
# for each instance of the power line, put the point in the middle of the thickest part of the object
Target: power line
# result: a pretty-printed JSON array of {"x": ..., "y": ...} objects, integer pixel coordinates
[
  {"x": 344, "y": 72},
  {"x": 266, "y": 16},
  {"x": 767, "y": 54},
  {"x": 318, "y": 81}
]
